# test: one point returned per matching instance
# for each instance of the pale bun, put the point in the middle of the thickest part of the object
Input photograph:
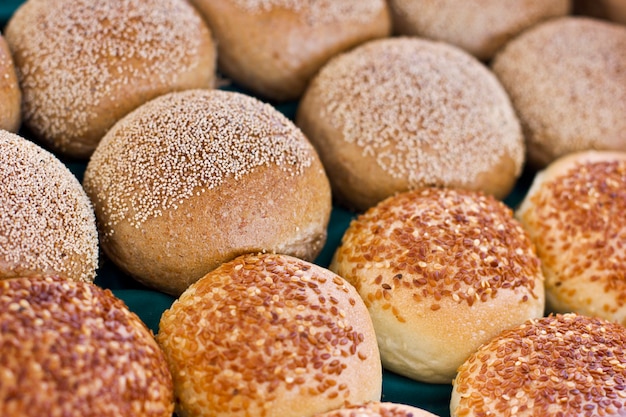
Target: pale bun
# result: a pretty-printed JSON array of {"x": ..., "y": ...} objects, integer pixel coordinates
[
  {"x": 403, "y": 113},
  {"x": 10, "y": 93},
  {"x": 274, "y": 47},
  {"x": 47, "y": 223},
  {"x": 441, "y": 271},
  {"x": 563, "y": 365},
  {"x": 567, "y": 81},
  {"x": 82, "y": 65},
  {"x": 574, "y": 213},
  {"x": 193, "y": 179},
  {"x": 378, "y": 409},
  {"x": 481, "y": 27},
  {"x": 74, "y": 349},
  {"x": 273, "y": 336}
]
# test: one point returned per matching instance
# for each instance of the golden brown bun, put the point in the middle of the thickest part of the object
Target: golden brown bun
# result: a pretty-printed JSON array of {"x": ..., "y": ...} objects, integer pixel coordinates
[
  {"x": 563, "y": 365},
  {"x": 403, "y": 113},
  {"x": 73, "y": 349},
  {"x": 567, "y": 81},
  {"x": 274, "y": 47},
  {"x": 82, "y": 65},
  {"x": 270, "y": 335},
  {"x": 614, "y": 10},
  {"x": 47, "y": 223},
  {"x": 480, "y": 27},
  {"x": 574, "y": 213},
  {"x": 378, "y": 409},
  {"x": 193, "y": 179},
  {"x": 441, "y": 271},
  {"x": 10, "y": 93}
]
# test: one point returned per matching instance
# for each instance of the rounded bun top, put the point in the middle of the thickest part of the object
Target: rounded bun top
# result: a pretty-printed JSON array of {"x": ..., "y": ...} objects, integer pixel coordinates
[
  {"x": 378, "y": 409},
  {"x": 10, "y": 93}
]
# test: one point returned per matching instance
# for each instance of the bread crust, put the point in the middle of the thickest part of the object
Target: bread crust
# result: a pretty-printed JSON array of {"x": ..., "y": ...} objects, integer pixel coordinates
[{"x": 10, "y": 93}]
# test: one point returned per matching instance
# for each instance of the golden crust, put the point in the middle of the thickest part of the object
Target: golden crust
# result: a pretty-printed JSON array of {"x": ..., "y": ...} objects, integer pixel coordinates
[
  {"x": 270, "y": 335},
  {"x": 10, "y": 93},
  {"x": 441, "y": 272},
  {"x": 378, "y": 409}
]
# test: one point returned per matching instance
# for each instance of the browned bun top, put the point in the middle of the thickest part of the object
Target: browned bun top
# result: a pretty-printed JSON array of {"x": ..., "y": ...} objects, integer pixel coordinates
[
  {"x": 480, "y": 27},
  {"x": 441, "y": 271},
  {"x": 270, "y": 335},
  {"x": 574, "y": 212},
  {"x": 274, "y": 47},
  {"x": 378, "y": 409},
  {"x": 402, "y": 113},
  {"x": 73, "y": 349},
  {"x": 10, "y": 93},
  {"x": 47, "y": 224},
  {"x": 563, "y": 365},
  {"x": 567, "y": 80},
  {"x": 84, "y": 64}
]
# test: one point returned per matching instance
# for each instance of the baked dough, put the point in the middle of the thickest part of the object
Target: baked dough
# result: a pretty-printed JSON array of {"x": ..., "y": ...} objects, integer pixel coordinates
[{"x": 10, "y": 93}]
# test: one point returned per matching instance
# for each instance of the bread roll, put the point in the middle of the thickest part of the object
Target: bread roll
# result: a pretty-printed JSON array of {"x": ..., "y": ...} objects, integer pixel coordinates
[
  {"x": 441, "y": 271},
  {"x": 567, "y": 80},
  {"x": 403, "y": 113},
  {"x": 73, "y": 349},
  {"x": 10, "y": 93},
  {"x": 47, "y": 223},
  {"x": 193, "y": 179},
  {"x": 274, "y": 47},
  {"x": 378, "y": 409},
  {"x": 614, "y": 10},
  {"x": 270, "y": 335},
  {"x": 480, "y": 27},
  {"x": 574, "y": 213},
  {"x": 84, "y": 64},
  {"x": 563, "y": 365}
]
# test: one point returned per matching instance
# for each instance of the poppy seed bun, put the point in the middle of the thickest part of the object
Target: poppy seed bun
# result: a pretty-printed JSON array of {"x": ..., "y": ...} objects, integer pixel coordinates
[
  {"x": 270, "y": 335},
  {"x": 10, "y": 94},
  {"x": 563, "y": 365},
  {"x": 193, "y": 179},
  {"x": 441, "y": 271},
  {"x": 274, "y": 47},
  {"x": 480, "y": 27},
  {"x": 567, "y": 80},
  {"x": 574, "y": 213},
  {"x": 84, "y": 64},
  {"x": 47, "y": 223},
  {"x": 73, "y": 349},
  {"x": 403, "y": 113},
  {"x": 378, "y": 409}
]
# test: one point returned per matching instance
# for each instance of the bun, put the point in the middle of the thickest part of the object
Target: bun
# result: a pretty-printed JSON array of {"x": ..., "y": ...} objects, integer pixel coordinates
[
  {"x": 274, "y": 47},
  {"x": 403, "y": 113},
  {"x": 47, "y": 223},
  {"x": 10, "y": 93},
  {"x": 82, "y": 65},
  {"x": 574, "y": 213},
  {"x": 441, "y": 272},
  {"x": 614, "y": 10},
  {"x": 567, "y": 81},
  {"x": 193, "y": 179},
  {"x": 73, "y": 349},
  {"x": 479, "y": 27},
  {"x": 270, "y": 335},
  {"x": 563, "y": 365},
  {"x": 378, "y": 409}
]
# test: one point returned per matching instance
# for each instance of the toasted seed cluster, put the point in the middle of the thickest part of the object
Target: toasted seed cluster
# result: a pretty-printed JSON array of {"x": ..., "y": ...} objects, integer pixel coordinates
[
  {"x": 563, "y": 365},
  {"x": 377, "y": 409},
  {"x": 258, "y": 327},
  {"x": 47, "y": 224},
  {"x": 71, "y": 348},
  {"x": 183, "y": 144},
  {"x": 438, "y": 243}
]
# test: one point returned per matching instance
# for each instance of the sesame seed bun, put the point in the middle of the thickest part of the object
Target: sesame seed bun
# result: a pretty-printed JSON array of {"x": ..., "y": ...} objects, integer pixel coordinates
[
  {"x": 73, "y": 349},
  {"x": 480, "y": 27},
  {"x": 47, "y": 223},
  {"x": 378, "y": 409},
  {"x": 10, "y": 93},
  {"x": 82, "y": 65},
  {"x": 270, "y": 335},
  {"x": 567, "y": 81},
  {"x": 563, "y": 365},
  {"x": 403, "y": 113},
  {"x": 193, "y": 179},
  {"x": 441, "y": 272},
  {"x": 274, "y": 47},
  {"x": 574, "y": 213},
  {"x": 614, "y": 10}
]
